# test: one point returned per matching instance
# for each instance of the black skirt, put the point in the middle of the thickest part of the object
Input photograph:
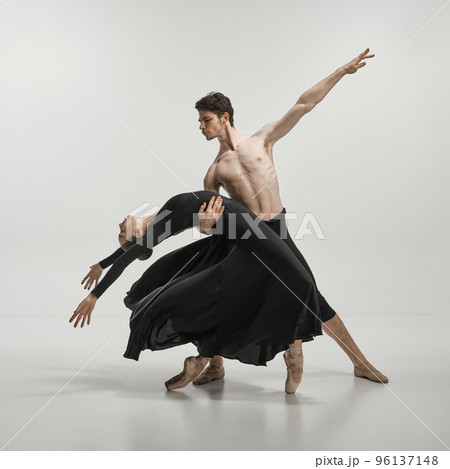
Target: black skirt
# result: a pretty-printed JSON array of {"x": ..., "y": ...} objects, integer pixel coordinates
[{"x": 241, "y": 294}]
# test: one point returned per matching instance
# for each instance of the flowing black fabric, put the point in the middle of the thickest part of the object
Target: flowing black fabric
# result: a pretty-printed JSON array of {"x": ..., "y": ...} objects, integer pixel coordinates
[
  {"x": 244, "y": 297},
  {"x": 278, "y": 224}
]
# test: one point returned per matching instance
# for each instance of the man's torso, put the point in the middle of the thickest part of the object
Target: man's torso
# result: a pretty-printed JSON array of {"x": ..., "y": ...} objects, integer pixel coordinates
[{"x": 248, "y": 174}]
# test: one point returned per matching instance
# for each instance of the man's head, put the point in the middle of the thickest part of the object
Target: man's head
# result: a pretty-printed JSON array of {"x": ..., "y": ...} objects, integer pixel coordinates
[{"x": 215, "y": 111}]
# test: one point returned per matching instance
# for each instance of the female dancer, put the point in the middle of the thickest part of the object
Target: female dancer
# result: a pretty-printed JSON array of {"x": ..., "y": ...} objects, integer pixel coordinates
[{"x": 240, "y": 294}]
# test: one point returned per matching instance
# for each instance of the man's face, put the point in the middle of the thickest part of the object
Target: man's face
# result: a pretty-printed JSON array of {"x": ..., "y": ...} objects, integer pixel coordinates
[{"x": 210, "y": 125}]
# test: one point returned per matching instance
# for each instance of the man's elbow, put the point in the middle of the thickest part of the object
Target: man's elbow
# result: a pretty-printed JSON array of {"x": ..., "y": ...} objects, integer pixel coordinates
[{"x": 306, "y": 106}]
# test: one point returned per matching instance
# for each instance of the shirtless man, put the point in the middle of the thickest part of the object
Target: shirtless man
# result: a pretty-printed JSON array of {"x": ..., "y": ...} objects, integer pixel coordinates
[{"x": 244, "y": 168}]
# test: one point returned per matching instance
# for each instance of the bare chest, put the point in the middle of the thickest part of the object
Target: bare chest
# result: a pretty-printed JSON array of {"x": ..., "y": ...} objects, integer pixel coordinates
[{"x": 246, "y": 162}]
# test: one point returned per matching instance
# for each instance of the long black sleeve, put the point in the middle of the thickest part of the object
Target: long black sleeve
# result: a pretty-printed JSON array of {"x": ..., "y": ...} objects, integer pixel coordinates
[
  {"x": 178, "y": 213},
  {"x": 119, "y": 265},
  {"x": 107, "y": 261}
]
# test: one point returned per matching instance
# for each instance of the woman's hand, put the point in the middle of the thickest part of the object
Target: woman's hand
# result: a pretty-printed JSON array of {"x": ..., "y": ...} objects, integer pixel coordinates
[
  {"x": 93, "y": 276},
  {"x": 84, "y": 310},
  {"x": 209, "y": 215}
]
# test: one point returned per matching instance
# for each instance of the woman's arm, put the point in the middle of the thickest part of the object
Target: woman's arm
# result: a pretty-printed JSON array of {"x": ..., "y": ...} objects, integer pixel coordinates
[
  {"x": 107, "y": 261},
  {"x": 85, "y": 308},
  {"x": 177, "y": 214},
  {"x": 119, "y": 265},
  {"x": 97, "y": 269}
]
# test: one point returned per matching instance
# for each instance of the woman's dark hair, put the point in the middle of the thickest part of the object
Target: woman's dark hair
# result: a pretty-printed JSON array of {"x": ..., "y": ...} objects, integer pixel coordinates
[{"x": 217, "y": 103}]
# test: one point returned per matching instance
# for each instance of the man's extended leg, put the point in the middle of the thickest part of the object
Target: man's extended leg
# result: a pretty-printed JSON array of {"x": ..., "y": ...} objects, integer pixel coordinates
[
  {"x": 336, "y": 329},
  {"x": 331, "y": 322}
]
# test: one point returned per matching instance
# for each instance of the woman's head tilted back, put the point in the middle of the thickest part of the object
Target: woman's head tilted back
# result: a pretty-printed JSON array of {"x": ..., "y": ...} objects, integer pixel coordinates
[{"x": 135, "y": 232}]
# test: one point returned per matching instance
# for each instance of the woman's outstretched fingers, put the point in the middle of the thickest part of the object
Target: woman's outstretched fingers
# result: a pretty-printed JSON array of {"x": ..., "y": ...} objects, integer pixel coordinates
[{"x": 84, "y": 310}]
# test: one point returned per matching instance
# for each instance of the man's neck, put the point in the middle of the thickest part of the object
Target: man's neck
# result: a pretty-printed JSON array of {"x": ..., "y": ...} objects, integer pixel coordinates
[{"x": 229, "y": 139}]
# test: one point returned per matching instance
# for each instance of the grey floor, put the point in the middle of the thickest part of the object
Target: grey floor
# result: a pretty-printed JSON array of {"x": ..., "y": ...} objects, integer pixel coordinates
[{"x": 113, "y": 403}]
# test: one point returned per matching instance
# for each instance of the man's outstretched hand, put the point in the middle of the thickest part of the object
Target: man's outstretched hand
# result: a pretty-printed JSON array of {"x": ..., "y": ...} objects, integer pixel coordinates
[
  {"x": 84, "y": 310},
  {"x": 357, "y": 63}
]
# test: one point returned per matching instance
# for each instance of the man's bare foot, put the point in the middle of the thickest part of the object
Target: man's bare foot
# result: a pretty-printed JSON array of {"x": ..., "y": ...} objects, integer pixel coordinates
[
  {"x": 366, "y": 370},
  {"x": 193, "y": 366},
  {"x": 293, "y": 357}
]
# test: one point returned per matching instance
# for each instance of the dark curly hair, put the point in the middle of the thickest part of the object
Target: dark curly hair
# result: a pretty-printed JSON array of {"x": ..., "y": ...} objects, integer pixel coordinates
[{"x": 217, "y": 103}]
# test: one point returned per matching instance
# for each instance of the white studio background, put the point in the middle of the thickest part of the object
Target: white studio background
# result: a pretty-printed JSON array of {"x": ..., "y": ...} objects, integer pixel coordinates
[{"x": 375, "y": 177}]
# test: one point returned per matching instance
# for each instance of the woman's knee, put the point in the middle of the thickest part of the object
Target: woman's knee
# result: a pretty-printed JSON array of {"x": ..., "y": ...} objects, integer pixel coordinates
[{"x": 191, "y": 200}]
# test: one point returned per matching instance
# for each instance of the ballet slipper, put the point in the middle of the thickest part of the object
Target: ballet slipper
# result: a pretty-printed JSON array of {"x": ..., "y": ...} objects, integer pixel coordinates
[
  {"x": 293, "y": 357},
  {"x": 211, "y": 373},
  {"x": 193, "y": 366}
]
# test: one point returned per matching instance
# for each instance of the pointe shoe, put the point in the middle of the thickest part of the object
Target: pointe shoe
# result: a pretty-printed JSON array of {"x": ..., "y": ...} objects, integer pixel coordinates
[
  {"x": 193, "y": 366},
  {"x": 366, "y": 370},
  {"x": 211, "y": 373},
  {"x": 294, "y": 365}
]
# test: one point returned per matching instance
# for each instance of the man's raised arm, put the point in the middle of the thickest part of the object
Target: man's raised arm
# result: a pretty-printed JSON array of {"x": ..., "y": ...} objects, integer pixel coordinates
[{"x": 308, "y": 100}]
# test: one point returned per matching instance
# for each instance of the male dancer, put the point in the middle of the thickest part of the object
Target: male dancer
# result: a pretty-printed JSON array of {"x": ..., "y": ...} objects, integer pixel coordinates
[{"x": 244, "y": 168}]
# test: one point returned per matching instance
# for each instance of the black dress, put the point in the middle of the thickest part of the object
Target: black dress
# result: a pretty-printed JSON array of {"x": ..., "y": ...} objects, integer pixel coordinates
[{"x": 242, "y": 294}]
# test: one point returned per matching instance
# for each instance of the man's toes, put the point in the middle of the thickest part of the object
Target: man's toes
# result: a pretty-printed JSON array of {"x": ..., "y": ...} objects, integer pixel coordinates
[
  {"x": 380, "y": 377},
  {"x": 370, "y": 373}
]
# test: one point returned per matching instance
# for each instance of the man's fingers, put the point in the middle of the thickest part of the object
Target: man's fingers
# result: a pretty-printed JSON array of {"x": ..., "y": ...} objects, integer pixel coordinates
[
  {"x": 73, "y": 316},
  {"x": 202, "y": 208},
  {"x": 364, "y": 53},
  {"x": 85, "y": 278},
  {"x": 89, "y": 318},
  {"x": 211, "y": 202},
  {"x": 83, "y": 321},
  {"x": 217, "y": 204}
]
